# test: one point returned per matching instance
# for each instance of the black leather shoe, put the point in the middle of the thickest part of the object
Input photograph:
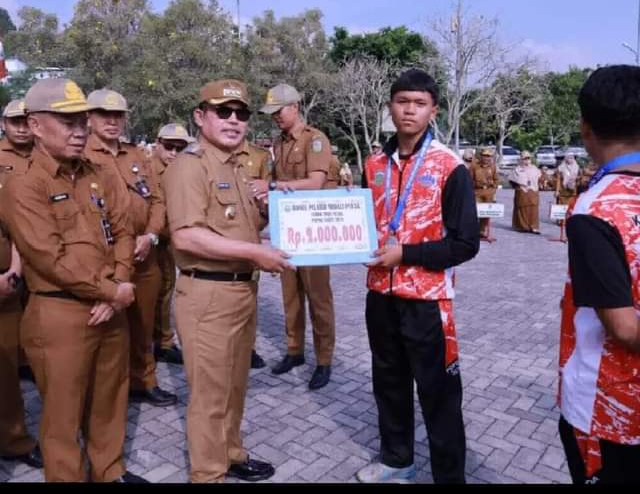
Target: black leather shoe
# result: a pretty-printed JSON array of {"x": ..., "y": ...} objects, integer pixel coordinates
[
  {"x": 156, "y": 397},
  {"x": 256, "y": 361},
  {"x": 320, "y": 377},
  {"x": 26, "y": 374},
  {"x": 131, "y": 478},
  {"x": 171, "y": 355},
  {"x": 288, "y": 363},
  {"x": 33, "y": 458},
  {"x": 251, "y": 470}
]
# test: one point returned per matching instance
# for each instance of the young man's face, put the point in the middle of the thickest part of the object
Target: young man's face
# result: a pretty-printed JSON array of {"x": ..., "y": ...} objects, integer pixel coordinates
[
  {"x": 286, "y": 118},
  {"x": 107, "y": 125},
  {"x": 168, "y": 150},
  {"x": 411, "y": 111},
  {"x": 17, "y": 131},
  {"x": 63, "y": 136}
]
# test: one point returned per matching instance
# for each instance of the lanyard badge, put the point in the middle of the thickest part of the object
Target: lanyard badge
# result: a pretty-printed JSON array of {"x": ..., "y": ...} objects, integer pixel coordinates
[
  {"x": 105, "y": 224},
  {"x": 402, "y": 204}
]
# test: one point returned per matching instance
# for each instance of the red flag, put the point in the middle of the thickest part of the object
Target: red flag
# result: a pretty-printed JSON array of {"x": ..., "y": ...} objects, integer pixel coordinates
[{"x": 3, "y": 67}]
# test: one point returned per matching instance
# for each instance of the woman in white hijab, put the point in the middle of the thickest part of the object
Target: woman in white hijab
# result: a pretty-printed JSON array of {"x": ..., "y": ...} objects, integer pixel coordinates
[
  {"x": 525, "y": 179},
  {"x": 567, "y": 180}
]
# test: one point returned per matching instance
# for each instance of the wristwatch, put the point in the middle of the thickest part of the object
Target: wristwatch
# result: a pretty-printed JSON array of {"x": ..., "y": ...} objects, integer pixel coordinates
[
  {"x": 273, "y": 186},
  {"x": 155, "y": 240}
]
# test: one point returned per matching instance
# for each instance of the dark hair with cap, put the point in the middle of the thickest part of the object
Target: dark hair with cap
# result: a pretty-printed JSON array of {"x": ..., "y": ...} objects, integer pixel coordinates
[
  {"x": 610, "y": 102},
  {"x": 416, "y": 80}
]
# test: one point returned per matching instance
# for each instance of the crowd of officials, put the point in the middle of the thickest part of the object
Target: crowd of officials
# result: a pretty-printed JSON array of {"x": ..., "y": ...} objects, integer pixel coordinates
[{"x": 93, "y": 232}]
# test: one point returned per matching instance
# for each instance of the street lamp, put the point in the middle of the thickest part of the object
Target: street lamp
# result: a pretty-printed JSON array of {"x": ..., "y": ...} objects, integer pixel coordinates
[{"x": 635, "y": 51}]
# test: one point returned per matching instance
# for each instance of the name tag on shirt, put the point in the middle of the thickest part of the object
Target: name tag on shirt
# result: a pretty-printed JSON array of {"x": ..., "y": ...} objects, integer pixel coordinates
[{"x": 59, "y": 197}]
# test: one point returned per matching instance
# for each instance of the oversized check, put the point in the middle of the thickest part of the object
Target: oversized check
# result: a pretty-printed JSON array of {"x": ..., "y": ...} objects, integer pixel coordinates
[{"x": 320, "y": 228}]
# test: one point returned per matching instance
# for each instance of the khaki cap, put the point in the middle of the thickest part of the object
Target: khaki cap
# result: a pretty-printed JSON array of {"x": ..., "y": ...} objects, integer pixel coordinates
[
  {"x": 106, "y": 99},
  {"x": 525, "y": 154},
  {"x": 55, "y": 96},
  {"x": 14, "y": 109},
  {"x": 486, "y": 152},
  {"x": 175, "y": 132},
  {"x": 223, "y": 91},
  {"x": 280, "y": 96}
]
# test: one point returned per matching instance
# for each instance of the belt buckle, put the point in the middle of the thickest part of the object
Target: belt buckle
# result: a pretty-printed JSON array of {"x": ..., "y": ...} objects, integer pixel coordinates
[
  {"x": 255, "y": 275},
  {"x": 235, "y": 277}
]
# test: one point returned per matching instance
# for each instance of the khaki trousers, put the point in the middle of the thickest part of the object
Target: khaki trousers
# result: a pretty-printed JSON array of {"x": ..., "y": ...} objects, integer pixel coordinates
[
  {"x": 315, "y": 283},
  {"x": 217, "y": 327},
  {"x": 14, "y": 438},
  {"x": 141, "y": 316},
  {"x": 162, "y": 332},
  {"x": 82, "y": 374}
]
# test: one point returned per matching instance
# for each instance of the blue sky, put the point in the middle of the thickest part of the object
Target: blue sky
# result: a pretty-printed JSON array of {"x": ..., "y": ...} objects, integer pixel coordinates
[{"x": 559, "y": 32}]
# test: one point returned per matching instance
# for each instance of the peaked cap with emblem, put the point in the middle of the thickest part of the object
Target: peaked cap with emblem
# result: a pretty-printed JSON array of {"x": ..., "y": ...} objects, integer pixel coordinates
[
  {"x": 223, "y": 91},
  {"x": 55, "y": 96},
  {"x": 280, "y": 96},
  {"x": 175, "y": 132},
  {"x": 106, "y": 99},
  {"x": 14, "y": 109}
]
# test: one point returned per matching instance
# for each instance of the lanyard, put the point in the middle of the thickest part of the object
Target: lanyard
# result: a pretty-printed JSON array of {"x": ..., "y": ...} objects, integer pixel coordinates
[
  {"x": 402, "y": 204},
  {"x": 613, "y": 165}
]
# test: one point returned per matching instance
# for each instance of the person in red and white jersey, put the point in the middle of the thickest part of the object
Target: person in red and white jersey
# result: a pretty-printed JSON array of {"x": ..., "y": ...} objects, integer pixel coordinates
[
  {"x": 427, "y": 223},
  {"x": 600, "y": 337}
]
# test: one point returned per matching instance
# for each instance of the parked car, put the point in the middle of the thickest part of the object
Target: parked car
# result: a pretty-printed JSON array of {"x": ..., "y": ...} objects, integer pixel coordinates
[
  {"x": 510, "y": 157},
  {"x": 546, "y": 156}
]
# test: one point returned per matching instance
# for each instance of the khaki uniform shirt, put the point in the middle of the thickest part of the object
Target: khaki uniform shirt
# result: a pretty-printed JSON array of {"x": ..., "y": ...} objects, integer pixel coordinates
[
  {"x": 12, "y": 163},
  {"x": 208, "y": 188},
  {"x": 159, "y": 169},
  {"x": 56, "y": 221},
  {"x": 146, "y": 201},
  {"x": 333, "y": 177},
  {"x": 255, "y": 161},
  {"x": 484, "y": 176},
  {"x": 297, "y": 155}
]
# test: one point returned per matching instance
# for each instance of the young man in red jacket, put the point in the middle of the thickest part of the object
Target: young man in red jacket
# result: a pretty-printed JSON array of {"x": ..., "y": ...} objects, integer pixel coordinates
[{"x": 427, "y": 223}]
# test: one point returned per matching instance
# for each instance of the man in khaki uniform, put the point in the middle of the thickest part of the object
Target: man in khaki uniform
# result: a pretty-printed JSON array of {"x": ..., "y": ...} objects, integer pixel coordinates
[
  {"x": 147, "y": 213},
  {"x": 257, "y": 164},
  {"x": 215, "y": 228},
  {"x": 15, "y": 441},
  {"x": 485, "y": 182},
  {"x": 302, "y": 162},
  {"x": 333, "y": 177},
  {"x": 172, "y": 139},
  {"x": 68, "y": 219}
]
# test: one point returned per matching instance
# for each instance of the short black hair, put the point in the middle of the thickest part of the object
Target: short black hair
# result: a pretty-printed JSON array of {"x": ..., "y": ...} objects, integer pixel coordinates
[
  {"x": 416, "y": 80},
  {"x": 610, "y": 102}
]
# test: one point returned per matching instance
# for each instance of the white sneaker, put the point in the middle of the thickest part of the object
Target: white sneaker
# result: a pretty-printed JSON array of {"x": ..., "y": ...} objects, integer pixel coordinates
[{"x": 379, "y": 473}]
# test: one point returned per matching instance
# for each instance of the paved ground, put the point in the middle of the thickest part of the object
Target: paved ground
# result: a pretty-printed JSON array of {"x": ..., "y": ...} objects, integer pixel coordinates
[{"x": 507, "y": 317}]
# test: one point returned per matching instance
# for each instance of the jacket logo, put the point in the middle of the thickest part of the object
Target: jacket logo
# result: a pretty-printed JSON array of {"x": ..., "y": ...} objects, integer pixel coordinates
[
  {"x": 427, "y": 180},
  {"x": 379, "y": 178},
  {"x": 59, "y": 197}
]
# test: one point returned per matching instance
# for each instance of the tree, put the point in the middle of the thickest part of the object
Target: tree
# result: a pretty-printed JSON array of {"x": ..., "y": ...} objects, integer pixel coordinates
[
  {"x": 359, "y": 96},
  {"x": 292, "y": 50},
  {"x": 471, "y": 56},
  {"x": 514, "y": 98},
  {"x": 395, "y": 45},
  {"x": 37, "y": 41},
  {"x": 6, "y": 24},
  {"x": 190, "y": 44},
  {"x": 561, "y": 113}
]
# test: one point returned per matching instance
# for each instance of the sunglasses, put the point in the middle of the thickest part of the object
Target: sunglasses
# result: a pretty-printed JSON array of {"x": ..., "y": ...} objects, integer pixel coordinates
[
  {"x": 225, "y": 112},
  {"x": 173, "y": 147}
]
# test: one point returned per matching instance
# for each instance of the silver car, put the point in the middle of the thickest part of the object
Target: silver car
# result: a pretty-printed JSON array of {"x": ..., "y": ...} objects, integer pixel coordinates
[
  {"x": 510, "y": 157},
  {"x": 546, "y": 156}
]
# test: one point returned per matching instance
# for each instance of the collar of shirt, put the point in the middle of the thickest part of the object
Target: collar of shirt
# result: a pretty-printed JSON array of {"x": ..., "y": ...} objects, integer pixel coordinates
[
  {"x": 96, "y": 144},
  {"x": 51, "y": 165},
  {"x": 5, "y": 145},
  {"x": 216, "y": 153},
  {"x": 391, "y": 148},
  {"x": 295, "y": 135}
]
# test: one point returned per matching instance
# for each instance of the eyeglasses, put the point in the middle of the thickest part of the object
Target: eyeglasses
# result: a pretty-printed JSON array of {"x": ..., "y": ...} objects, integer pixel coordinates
[
  {"x": 225, "y": 112},
  {"x": 173, "y": 147}
]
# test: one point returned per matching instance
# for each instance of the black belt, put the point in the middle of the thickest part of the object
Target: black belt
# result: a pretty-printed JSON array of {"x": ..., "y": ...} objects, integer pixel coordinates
[
  {"x": 63, "y": 295},
  {"x": 218, "y": 276}
]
